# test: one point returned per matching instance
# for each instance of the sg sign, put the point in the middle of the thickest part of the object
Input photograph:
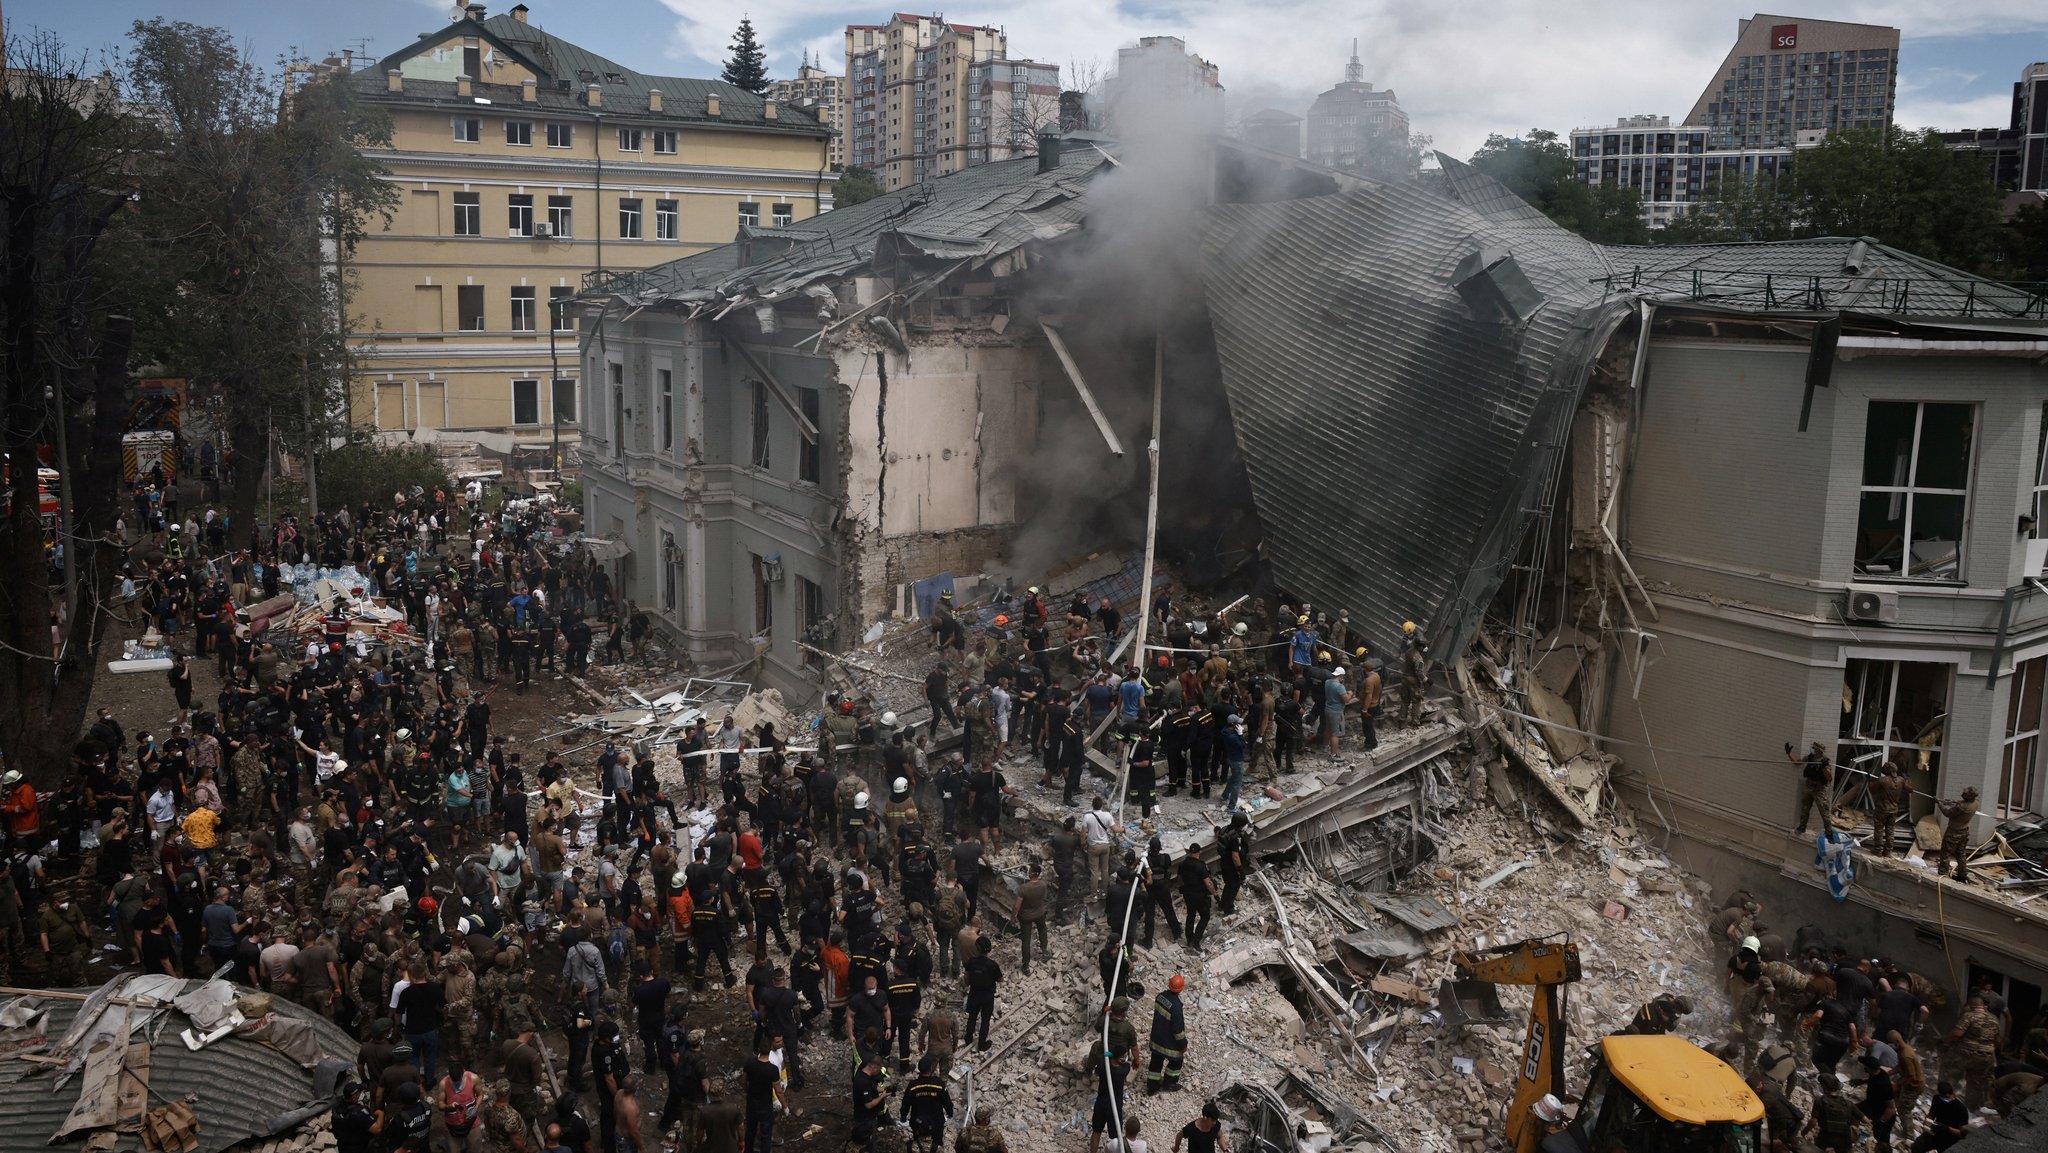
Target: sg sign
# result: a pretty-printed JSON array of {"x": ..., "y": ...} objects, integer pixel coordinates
[{"x": 1784, "y": 36}]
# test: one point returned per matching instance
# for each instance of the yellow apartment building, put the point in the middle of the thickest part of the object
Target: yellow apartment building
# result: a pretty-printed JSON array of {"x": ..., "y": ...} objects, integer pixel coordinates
[{"x": 525, "y": 162}]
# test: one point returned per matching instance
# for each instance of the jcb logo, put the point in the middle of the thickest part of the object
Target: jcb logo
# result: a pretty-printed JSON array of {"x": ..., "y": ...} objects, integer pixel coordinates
[
  {"x": 1785, "y": 36},
  {"x": 1533, "y": 1062}
]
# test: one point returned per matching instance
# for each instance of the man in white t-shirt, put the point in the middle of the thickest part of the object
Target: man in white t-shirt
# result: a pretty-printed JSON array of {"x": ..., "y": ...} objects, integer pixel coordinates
[{"x": 1099, "y": 829}]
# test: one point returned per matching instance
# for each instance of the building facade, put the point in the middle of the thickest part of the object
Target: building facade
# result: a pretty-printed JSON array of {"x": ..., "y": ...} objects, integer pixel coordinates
[
  {"x": 823, "y": 95},
  {"x": 1161, "y": 68},
  {"x": 1356, "y": 127},
  {"x": 2017, "y": 154},
  {"x": 926, "y": 98},
  {"x": 524, "y": 163},
  {"x": 1272, "y": 130},
  {"x": 1786, "y": 84}
]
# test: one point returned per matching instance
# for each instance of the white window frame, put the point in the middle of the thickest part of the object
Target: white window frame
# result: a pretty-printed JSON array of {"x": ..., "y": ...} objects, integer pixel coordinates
[
  {"x": 559, "y": 317},
  {"x": 2020, "y": 753},
  {"x": 519, "y": 133},
  {"x": 533, "y": 386},
  {"x": 469, "y": 211},
  {"x": 523, "y": 319},
  {"x": 630, "y": 214},
  {"x": 784, "y": 215},
  {"x": 668, "y": 222},
  {"x": 1910, "y": 491},
  {"x": 750, "y": 213},
  {"x": 1852, "y": 750},
  {"x": 467, "y": 129},
  {"x": 562, "y": 217},
  {"x": 630, "y": 139},
  {"x": 665, "y": 136},
  {"x": 561, "y": 134},
  {"x": 570, "y": 413},
  {"x": 2039, "y": 508},
  {"x": 519, "y": 217}
]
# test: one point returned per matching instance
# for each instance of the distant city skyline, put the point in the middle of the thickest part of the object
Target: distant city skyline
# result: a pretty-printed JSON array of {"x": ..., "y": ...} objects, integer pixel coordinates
[{"x": 1464, "y": 69}]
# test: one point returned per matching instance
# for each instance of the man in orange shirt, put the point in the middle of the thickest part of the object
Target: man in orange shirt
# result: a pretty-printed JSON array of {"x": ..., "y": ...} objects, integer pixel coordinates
[
  {"x": 22, "y": 806},
  {"x": 681, "y": 908}
]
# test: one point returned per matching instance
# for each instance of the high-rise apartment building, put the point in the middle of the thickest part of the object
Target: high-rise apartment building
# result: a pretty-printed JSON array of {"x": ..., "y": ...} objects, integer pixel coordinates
[
  {"x": 926, "y": 98},
  {"x": 1786, "y": 84},
  {"x": 1158, "y": 79},
  {"x": 1357, "y": 127},
  {"x": 2018, "y": 153},
  {"x": 823, "y": 95},
  {"x": 524, "y": 162}
]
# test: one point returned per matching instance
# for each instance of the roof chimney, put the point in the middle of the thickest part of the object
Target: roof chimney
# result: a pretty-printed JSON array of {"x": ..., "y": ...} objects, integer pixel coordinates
[
  {"x": 767, "y": 110},
  {"x": 593, "y": 96},
  {"x": 711, "y": 105},
  {"x": 519, "y": 13},
  {"x": 394, "y": 80},
  {"x": 462, "y": 86},
  {"x": 1048, "y": 151},
  {"x": 474, "y": 12},
  {"x": 654, "y": 100},
  {"x": 529, "y": 90}
]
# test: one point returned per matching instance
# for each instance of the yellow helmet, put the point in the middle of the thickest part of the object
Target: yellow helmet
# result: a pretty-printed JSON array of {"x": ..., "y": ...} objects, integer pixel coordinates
[{"x": 1408, "y": 627}]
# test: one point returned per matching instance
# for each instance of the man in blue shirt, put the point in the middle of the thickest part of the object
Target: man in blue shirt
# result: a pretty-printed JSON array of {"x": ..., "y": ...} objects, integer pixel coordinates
[
  {"x": 1131, "y": 694},
  {"x": 1301, "y": 647},
  {"x": 1335, "y": 697}
]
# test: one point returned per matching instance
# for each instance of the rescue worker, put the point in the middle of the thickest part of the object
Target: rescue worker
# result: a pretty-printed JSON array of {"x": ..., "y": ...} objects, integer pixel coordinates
[
  {"x": 1816, "y": 774},
  {"x": 1834, "y": 1117},
  {"x": 1973, "y": 1052},
  {"x": 65, "y": 939},
  {"x": 1889, "y": 793},
  {"x": 1955, "y": 840},
  {"x": 1169, "y": 1040},
  {"x": 982, "y": 1136},
  {"x": 1233, "y": 854},
  {"x": 927, "y": 1103},
  {"x": 1660, "y": 1014},
  {"x": 1414, "y": 670}
]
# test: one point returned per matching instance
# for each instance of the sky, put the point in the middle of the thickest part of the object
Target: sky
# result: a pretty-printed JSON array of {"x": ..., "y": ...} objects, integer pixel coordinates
[{"x": 1463, "y": 69}]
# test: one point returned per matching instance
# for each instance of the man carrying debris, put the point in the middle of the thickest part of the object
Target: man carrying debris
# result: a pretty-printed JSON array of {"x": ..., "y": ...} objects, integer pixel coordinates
[
  {"x": 1816, "y": 773},
  {"x": 1169, "y": 1040},
  {"x": 1955, "y": 837}
]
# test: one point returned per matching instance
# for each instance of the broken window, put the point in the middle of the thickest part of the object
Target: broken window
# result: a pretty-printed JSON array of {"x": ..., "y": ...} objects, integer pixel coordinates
[
  {"x": 810, "y": 611},
  {"x": 526, "y": 402},
  {"x": 665, "y": 412},
  {"x": 761, "y": 455},
  {"x": 672, "y": 561},
  {"x": 1916, "y": 476},
  {"x": 565, "y": 399},
  {"x": 469, "y": 307},
  {"x": 617, "y": 372},
  {"x": 807, "y": 463},
  {"x": 764, "y": 605},
  {"x": 2040, "y": 505},
  {"x": 1893, "y": 710},
  {"x": 2022, "y": 739}
]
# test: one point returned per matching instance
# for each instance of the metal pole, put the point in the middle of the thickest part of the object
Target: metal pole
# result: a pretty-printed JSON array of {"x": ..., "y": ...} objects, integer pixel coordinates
[
  {"x": 1151, "y": 499},
  {"x": 554, "y": 404}
]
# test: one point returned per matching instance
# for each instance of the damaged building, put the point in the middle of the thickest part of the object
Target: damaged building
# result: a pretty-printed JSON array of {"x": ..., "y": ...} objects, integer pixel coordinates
[{"x": 1673, "y": 507}]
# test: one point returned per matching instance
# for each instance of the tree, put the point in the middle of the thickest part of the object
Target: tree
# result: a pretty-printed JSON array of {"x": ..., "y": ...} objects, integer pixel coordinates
[
  {"x": 2025, "y": 244},
  {"x": 366, "y": 471},
  {"x": 68, "y": 173},
  {"x": 1392, "y": 158},
  {"x": 258, "y": 194},
  {"x": 747, "y": 67},
  {"x": 856, "y": 185},
  {"x": 1538, "y": 168}
]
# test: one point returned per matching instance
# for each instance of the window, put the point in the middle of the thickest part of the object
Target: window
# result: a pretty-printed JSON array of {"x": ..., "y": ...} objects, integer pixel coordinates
[
  {"x": 784, "y": 216},
  {"x": 1893, "y": 711},
  {"x": 664, "y": 410},
  {"x": 810, "y": 614},
  {"x": 561, "y": 135},
  {"x": 526, "y": 402},
  {"x": 558, "y": 299},
  {"x": 750, "y": 212},
  {"x": 760, "y": 456},
  {"x": 629, "y": 219},
  {"x": 807, "y": 450},
  {"x": 2022, "y": 739},
  {"x": 629, "y": 140},
  {"x": 519, "y": 133},
  {"x": 469, "y": 214},
  {"x": 561, "y": 216},
  {"x": 2040, "y": 505},
  {"x": 671, "y": 562},
  {"x": 667, "y": 221},
  {"x": 565, "y": 399},
  {"x": 764, "y": 604},
  {"x": 616, "y": 373},
  {"x": 1916, "y": 476},
  {"x": 520, "y": 216},
  {"x": 665, "y": 141},
  {"x": 468, "y": 129},
  {"x": 469, "y": 307},
  {"x": 522, "y": 310}
]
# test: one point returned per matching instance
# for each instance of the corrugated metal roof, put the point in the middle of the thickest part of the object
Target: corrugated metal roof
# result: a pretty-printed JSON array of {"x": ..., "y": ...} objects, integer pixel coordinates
[
  {"x": 239, "y": 1088},
  {"x": 1417, "y": 912}
]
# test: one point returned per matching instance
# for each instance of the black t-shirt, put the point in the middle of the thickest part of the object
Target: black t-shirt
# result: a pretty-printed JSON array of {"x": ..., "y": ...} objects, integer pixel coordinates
[
  {"x": 156, "y": 949},
  {"x": 1834, "y": 1020},
  {"x": 1199, "y": 1141},
  {"x": 419, "y": 1007},
  {"x": 761, "y": 1077},
  {"x": 1194, "y": 876},
  {"x": 983, "y": 975},
  {"x": 1895, "y": 1010},
  {"x": 610, "y": 1061},
  {"x": 1853, "y": 985},
  {"x": 1878, "y": 1094},
  {"x": 650, "y": 1000}
]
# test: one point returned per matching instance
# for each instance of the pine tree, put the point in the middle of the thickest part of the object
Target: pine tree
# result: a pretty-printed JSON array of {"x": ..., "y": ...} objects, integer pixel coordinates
[{"x": 747, "y": 67}]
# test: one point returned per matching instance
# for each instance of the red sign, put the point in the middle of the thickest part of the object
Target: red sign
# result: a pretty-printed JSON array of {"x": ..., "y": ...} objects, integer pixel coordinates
[{"x": 1784, "y": 36}]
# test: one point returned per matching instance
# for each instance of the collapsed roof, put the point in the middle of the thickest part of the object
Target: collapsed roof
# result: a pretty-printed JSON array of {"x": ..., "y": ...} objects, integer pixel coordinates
[{"x": 1402, "y": 362}]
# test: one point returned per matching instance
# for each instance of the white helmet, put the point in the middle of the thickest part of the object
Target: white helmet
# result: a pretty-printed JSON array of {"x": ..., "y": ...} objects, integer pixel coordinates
[
  {"x": 681, "y": 880},
  {"x": 899, "y": 785},
  {"x": 462, "y": 926},
  {"x": 889, "y": 720},
  {"x": 860, "y": 800}
]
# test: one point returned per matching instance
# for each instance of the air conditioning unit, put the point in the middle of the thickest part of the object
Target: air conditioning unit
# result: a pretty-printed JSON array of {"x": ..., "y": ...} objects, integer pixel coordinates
[
  {"x": 543, "y": 230},
  {"x": 1876, "y": 605}
]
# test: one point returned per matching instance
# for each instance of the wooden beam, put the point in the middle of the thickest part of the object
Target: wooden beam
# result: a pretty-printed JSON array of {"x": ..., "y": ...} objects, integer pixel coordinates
[
  {"x": 803, "y": 423},
  {"x": 1059, "y": 348}
]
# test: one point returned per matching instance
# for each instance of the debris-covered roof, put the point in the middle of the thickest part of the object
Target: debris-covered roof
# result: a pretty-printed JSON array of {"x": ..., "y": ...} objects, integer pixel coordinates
[
  {"x": 984, "y": 210},
  {"x": 240, "y": 1088}
]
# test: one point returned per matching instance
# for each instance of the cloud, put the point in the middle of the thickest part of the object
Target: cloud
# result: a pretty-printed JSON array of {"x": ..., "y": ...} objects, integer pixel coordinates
[{"x": 1462, "y": 68}]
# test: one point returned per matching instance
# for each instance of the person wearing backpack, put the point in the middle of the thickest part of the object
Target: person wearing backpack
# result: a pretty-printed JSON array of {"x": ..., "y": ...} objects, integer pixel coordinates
[
  {"x": 406, "y": 1125},
  {"x": 459, "y": 1097}
]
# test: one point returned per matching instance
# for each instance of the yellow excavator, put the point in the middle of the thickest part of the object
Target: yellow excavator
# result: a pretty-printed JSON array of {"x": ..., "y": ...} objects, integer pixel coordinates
[{"x": 1650, "y": 1093}]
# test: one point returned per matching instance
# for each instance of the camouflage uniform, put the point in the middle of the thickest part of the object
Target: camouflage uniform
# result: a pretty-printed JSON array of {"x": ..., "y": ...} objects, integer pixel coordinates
[
  {"x": 504, "y": 1128},
  {"x": 247, "y": 765},
  {"x": 458, "y": 1027},
  {"x": 980, "y": 1138},
  {"x": 1974, "y": 1054}
]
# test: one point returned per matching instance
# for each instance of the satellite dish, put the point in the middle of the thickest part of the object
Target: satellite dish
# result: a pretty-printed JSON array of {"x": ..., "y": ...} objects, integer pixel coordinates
[{"x": 459, "y": 12}]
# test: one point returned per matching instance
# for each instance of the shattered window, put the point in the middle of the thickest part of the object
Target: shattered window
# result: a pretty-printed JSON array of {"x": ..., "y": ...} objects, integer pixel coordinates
[
  {"x": 1916, "y": 475},
  {"x": 1897, "y": 711},
  {"x": 761, "y": 455},
  {"x": 2022, "y": 738}
]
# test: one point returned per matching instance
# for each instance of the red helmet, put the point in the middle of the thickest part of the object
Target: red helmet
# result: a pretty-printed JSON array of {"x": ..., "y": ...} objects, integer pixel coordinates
[
  {"x": 1002, "y": 622},
  {"x": 1165, "y": 662},
  {"x": 1176, "y": 983},
  {"x": 428, "y": 905},
  {"x": 845, "y": 708}
]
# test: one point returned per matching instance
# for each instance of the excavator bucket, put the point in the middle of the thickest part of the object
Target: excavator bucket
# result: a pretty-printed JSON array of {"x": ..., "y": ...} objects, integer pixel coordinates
[{"x": 1466, "y": 1002}]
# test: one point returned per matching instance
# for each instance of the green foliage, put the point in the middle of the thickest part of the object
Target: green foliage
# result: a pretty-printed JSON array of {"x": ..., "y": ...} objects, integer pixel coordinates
[
  {"x": 1903, "y": 188},
  {"x": 856, "y": 184},
  {"x": 570, "y": 496},
  {"x": 1394, "y": 159},
  {"x": 747, "y": 67},
  {"x": 1538, "y": 168},
  {"x": 369, "y": 471},
  {"x": 2024, "y": 248}
]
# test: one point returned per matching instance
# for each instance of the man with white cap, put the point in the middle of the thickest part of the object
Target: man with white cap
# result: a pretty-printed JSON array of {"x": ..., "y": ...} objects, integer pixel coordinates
[{"x": 1335, "y": 697}]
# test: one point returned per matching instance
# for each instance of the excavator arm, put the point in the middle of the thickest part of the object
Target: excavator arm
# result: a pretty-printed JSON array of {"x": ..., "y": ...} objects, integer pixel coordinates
[{"x": 1548, "y": 964}]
